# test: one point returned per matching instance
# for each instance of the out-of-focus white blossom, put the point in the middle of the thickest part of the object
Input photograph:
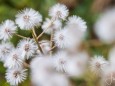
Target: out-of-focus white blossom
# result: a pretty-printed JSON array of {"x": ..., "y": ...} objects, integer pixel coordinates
[
  {"x": 64, "y": 39},
  {"x": 61, "y": 61},
  {"x": 50, "y": 26},
  {"x": 57, "y": 80},
  {"x": 98, "y": 64},
  {"x": 28, "y": 19},
  {"x": 16, "y": 76},
  {"x": 14, "y": 59},
  {"x": 5, "y": 49},
  {"x": 77, "y": 64},
  {"x": 105, "y": 26},
  {"x": 28, "y": 48},
  {"x": 58, "y": 11},
  {"x": 7, "y": 29},
  {"x": 76, "y": 22},
  {"x": 43, "y": 71}
]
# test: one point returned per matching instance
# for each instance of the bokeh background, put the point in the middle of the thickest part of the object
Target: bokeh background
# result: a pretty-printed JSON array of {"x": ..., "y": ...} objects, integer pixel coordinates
[{"x": 89, "y": 10}]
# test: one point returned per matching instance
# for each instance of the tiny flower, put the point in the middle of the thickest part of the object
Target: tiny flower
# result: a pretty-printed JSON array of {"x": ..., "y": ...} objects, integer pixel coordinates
[
  {"x": 64, "y": 39},
  {"x": 76, "y": 23},
  {"x": 97, "y": 64},
  {"x": 7, "y": 29},
  {"x": 45, "y": 45},
  {"x": 56, "y": 25},
  {"x": 28, "y": 48},
  {"x": 5, "y": 49},
  {"x": 58, "y": 11},
  {"x": 14, "y": 60},
  {"x": 16, "y": 76},
  {"x": 61, "y": 61},
  {"x": 28, "y": 19}
]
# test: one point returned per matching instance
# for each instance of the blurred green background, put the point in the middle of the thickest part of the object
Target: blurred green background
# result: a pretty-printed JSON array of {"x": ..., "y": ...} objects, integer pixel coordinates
[{"x": 89, "y": 10}]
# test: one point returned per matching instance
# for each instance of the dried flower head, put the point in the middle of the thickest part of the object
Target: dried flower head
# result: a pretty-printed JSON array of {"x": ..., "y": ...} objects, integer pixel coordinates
[
  {"x": 7, "y": 29},
  {"x": 58, "y": 11},
  {"x": 28, "y": 19},
  {"x": 16, "y": 76}
]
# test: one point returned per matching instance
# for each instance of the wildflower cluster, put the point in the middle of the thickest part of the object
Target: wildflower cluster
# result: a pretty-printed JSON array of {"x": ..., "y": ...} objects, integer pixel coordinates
[{"x": 58, "y": 58}]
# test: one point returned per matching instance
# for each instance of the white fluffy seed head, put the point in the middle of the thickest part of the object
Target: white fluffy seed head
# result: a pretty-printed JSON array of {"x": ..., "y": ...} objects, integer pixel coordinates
[
  {"x": 5, "y": 49},
  {"x": 14, "y": 60},
  {"x": 28, "y": 19},
  {"x": 77, "y": 64},
  {"x": 28, "y": 48},
  {"x": 76, "y": 22},
  {"x": 64, "y": 39},
  {"x": 43, "y": 71},
  {"x": 16, "y": 76},
  {"x": 56, "y": 25},
  {"x": 98, "y": 64},
  {"x": 7, "y": 29},
  {"x": 57, "y": 80},
  {"x": 58, "y": 11},
  {"x": 105, "y": 26},
  {"x": 61, "y": 61}
]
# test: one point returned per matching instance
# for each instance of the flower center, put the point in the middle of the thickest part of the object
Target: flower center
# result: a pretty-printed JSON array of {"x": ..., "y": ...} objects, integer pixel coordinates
[
  {"x": 98, "y": 65},
  {"x": 27, "y": 47},
  {"x": 61, "y": 37},
  {"x": 15, "y": 57},
  {"x": 7, "y": 30},
  {"x": 58, "y": 14},
  {"x": 62, "y": 61},
  {"x": 16, "y": 73},
  {"x": 26, "y": 18}
]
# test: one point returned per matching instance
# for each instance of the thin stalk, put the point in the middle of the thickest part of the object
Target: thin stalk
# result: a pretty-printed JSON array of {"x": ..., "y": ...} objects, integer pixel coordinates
[
  {"x": 52, "y": 48},
  {"x": 35, "y": 38},
  {"x": 46, "y": 29},
  {"x": 26, "y": 64},
  {"x": 20, "y": 36},
  {"x": 51, "y": 42}
]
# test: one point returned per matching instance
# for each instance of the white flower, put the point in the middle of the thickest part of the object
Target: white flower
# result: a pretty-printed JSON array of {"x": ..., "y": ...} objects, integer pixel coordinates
[
  {"x": 61, "y": 61},
  {"x": 45, "y": 45},
  {"x": 76, "y": 22},
  {"x": 77, "y": 64},
  {"x": 5, "y": 49},
  {"x": 57, "y": 80},
  {"x": 14, "y": 60},
  {"x": 56, "y": 25},
  {"x": 105, "y": 26},
  {"x": 16, "y": 76},
  {"x": 27, "y": 47},
  {"x": 97, "y": 64},
  {"x": 7, "y": 29},
  {"x": 58, "y": 11},
  {"x": 64, "y": 39},
  {"x": 43, "y": 71},
  {"x": 28, "y": 19}
]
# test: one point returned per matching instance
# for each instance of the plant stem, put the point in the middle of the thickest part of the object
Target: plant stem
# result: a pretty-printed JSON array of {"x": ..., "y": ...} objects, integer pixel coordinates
[
  {"x": 26, "y": 64},
  {"x": 51, "y": 42},
  {"x": 52, "y": 48},
  {"x": 20, "y": 36},
  {"x": 46, "y": 29},
  {"x": 35, "y": 38}
]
